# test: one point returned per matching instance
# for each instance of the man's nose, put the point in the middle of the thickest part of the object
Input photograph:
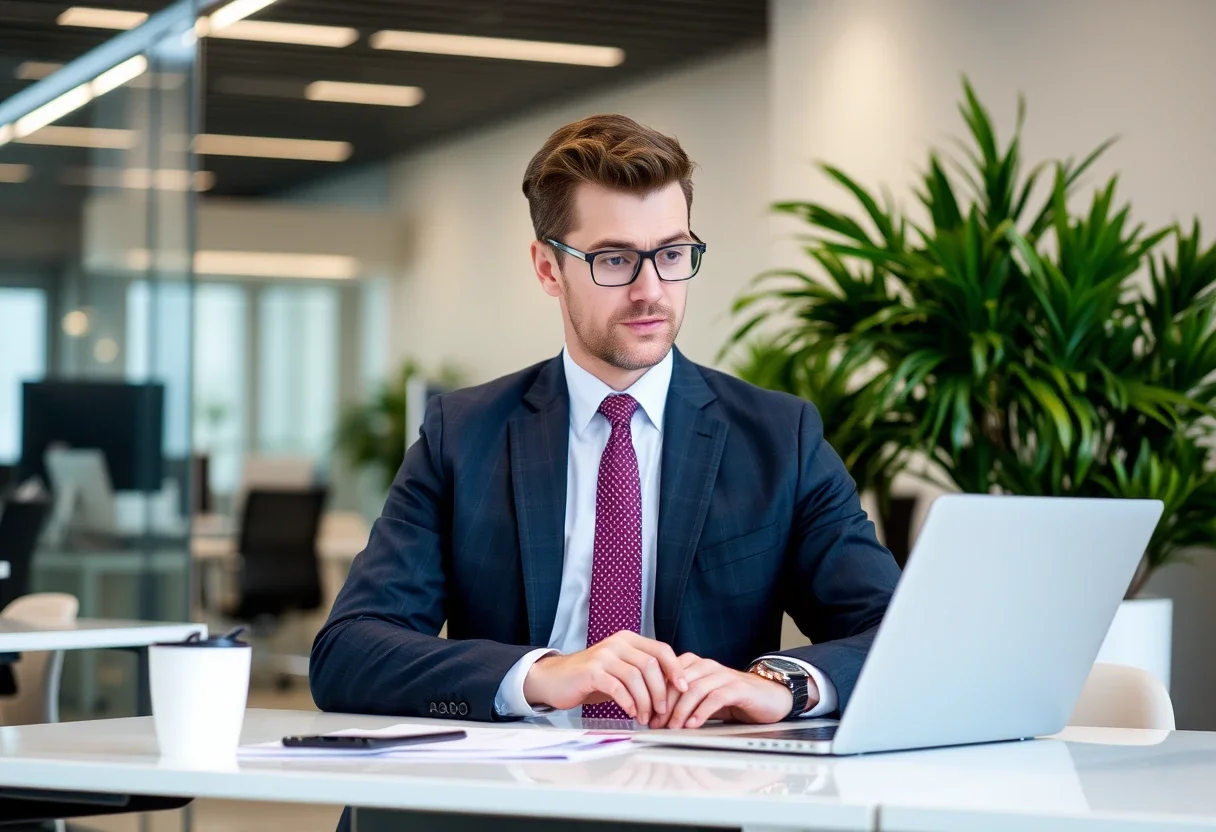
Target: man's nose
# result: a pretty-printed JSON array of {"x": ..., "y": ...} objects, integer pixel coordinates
[{"x": 647, "y": 288}]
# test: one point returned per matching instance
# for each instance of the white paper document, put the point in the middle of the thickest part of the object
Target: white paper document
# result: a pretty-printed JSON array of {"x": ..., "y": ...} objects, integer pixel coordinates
[{"x": 481, "y": 745}]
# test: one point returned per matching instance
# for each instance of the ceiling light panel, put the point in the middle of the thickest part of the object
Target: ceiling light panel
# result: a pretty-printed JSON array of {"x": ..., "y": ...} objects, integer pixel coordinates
[
  {"x": 15, "y": 174},
  {"x": 89, "y": 18},
  {"x": 385, "y": 95},
  {"x": 235, "y": 11},
  {"x": 500, "y": 48},
  {"x": 36, "y": 70},
  {"x": 308, "y": 150},
  {"x": 267, "y": 31},
  {"x": 99, "y": 138}
]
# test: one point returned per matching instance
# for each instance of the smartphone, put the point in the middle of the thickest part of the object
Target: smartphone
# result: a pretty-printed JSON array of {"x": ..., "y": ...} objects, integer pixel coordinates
[{"x": 370, "y": 743}]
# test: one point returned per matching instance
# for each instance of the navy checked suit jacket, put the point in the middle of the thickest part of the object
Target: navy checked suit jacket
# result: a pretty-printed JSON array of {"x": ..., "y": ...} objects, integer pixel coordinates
[{"x": 756, "y": 515}]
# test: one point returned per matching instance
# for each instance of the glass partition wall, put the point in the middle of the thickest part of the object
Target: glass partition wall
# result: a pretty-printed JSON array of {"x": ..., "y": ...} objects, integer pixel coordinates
[{"x": 97, "y": 195}]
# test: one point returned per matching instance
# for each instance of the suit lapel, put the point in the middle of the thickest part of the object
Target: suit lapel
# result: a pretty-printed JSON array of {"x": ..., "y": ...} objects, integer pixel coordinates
[
  {"x": 692, "y": 449},
  {"x": 539, "y": 445}
]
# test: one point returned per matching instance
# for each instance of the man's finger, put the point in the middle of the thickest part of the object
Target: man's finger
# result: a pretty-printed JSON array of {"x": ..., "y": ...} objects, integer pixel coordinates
[
  {"x": 672, "y": 668},
  {"x": 656, "y": 683},
  {"x": 697, "y": 670},
  {"x": 716, "y": 700},
  {"x": 608, "y": 684},
  {"x": 697, "y": 691},
  {"x": 633, "y": 680}
]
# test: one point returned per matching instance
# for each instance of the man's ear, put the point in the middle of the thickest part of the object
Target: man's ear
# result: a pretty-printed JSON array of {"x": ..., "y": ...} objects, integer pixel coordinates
[{"x": 544, "y": 261}]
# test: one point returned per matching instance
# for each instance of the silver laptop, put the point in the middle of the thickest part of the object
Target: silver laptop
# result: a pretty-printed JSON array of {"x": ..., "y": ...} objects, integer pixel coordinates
[{"x": 990, "y": 635}]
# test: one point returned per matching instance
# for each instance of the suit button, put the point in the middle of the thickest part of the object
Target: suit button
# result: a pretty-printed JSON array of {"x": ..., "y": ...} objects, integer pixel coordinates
[
  {"x": 452, "y": 708},
  {"x": 434, "y": 708},
  {"x": 464, "y": 709},
  {"x": 443, "y": 708}
]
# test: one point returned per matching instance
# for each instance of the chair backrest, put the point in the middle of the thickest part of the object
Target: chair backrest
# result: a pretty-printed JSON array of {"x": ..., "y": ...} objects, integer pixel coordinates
[
  {"x": 278, "y": 547},
  {"x": 273, "y": 473},
  {"x": 1118, "y": 696},
  {"x": 37, "y": 674},
  {"x": 8, "y": 480},
  {"x": 21, "y": 524}
]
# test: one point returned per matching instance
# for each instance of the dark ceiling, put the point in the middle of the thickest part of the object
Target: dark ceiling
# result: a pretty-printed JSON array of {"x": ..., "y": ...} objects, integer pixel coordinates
[{"x": 257, "y": 88}]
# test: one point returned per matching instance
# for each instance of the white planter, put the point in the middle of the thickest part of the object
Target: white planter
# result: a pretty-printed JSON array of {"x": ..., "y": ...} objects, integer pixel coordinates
[{"x": 1142, "y": 636}]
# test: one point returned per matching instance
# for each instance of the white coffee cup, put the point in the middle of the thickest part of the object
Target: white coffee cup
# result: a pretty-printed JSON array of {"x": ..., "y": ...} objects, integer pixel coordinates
[{"x": 199, "y": 691}]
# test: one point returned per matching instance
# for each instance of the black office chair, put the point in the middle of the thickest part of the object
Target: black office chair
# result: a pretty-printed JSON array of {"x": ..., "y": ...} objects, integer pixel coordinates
[
  {"x": 21, "y": 524},
  {"x": 8, "y": 480},
  {"x": 280, "y": 571}
]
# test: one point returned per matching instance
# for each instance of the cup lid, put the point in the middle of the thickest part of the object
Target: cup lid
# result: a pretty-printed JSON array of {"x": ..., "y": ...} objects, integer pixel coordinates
[{"x": 195, "y": 639}]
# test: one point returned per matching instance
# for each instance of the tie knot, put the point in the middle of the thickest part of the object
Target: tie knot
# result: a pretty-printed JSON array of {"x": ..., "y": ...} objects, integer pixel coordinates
[{"x": 618, "y": 409}]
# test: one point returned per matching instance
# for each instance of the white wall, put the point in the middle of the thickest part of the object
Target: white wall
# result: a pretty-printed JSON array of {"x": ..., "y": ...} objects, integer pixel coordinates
[
  {"x": 467, "y": 292},
  {"x": 869, "y": 85}
]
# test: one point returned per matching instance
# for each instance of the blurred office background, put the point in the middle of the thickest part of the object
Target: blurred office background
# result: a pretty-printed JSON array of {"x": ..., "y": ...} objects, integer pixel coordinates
[{"x": 215, "y": 249}]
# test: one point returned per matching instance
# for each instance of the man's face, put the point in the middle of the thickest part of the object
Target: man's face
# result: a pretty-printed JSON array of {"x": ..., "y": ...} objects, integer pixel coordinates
[{"x": 628, "y": 327}]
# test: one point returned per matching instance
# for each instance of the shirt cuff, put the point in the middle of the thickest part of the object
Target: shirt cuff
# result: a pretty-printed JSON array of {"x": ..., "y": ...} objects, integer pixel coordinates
[
  {"x": 827, "y": 691},
  {"x": 510, "y": 700}
]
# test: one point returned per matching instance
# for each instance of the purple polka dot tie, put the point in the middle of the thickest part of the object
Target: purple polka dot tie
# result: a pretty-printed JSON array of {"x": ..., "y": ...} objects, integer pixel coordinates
[{"x": 616, "y": 566}]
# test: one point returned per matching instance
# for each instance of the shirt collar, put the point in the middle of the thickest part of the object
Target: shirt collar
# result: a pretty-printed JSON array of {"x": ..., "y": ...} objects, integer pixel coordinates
[{"x": 587, "y": 391}]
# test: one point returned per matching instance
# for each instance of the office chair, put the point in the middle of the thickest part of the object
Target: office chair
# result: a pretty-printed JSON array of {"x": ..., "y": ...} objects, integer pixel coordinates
[
  {"x": 21, "y": 525},
  {"x": 1118, "y": 696},
  {"x": 38, "y": 674},
  {"x": 279, "y": 571},
  {"x": 8, "y": 480},
  {"x": 272, "y": 473}
]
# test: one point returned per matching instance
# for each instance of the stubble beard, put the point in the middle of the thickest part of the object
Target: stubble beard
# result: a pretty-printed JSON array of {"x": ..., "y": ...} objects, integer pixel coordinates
[{"x": 610, "y": 345}]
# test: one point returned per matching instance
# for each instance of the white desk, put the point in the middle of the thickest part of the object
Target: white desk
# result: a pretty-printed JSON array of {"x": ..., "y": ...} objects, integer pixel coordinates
[
  {"x": 1086, "y": 779},
  {"x": 90, "y": 634},
  {"x": 93, "y": 634}
]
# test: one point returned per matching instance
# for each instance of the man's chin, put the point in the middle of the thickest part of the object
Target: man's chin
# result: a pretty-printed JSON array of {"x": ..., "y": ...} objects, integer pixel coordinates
[{"x": 645, "y": 352}]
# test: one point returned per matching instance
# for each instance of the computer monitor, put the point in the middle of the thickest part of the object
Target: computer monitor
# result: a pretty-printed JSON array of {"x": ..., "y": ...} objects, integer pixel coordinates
[
  {"x": 84, "y": 498},
  {"x": 125, "y": 422}
]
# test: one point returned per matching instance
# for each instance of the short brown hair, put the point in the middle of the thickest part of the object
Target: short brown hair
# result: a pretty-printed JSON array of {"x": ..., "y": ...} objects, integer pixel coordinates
[{"x": 608, "y": 150}]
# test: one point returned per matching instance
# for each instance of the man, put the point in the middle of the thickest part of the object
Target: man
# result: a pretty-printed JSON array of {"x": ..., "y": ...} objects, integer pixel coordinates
[{"x": 617, "y": 529}]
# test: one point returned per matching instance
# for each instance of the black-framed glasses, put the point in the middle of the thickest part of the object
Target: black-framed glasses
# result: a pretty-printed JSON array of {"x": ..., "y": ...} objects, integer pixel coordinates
[{"x": 621, "y": 266}]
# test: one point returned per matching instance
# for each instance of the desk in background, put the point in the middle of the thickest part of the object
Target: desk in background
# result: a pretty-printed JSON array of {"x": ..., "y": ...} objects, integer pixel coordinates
[
  {"x": 145, "y": 574},
  {"x": 1085, "y": 779}
]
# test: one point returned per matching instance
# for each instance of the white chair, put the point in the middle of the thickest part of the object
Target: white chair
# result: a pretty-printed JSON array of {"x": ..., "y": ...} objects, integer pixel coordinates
[
  {"x": 1118, "y": 696},
  {"x": 37, "y": 674}
]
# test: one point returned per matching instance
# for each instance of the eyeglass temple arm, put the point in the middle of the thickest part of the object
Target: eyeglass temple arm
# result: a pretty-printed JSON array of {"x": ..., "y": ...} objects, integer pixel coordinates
[{"x": 573, "y": 252}]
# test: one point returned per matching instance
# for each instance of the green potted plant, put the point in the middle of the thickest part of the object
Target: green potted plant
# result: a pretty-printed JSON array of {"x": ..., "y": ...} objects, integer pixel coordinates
[
  {"x": 870, "y": 448},
  {"x": 1013, "y": 339},
  {"x": 371, "y": 434}
]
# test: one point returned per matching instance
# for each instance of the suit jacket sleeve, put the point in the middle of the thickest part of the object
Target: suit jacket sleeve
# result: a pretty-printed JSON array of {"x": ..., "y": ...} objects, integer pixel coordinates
[
  {"x": 842, "y": 576},
  {"x": 379, "y": 652}
]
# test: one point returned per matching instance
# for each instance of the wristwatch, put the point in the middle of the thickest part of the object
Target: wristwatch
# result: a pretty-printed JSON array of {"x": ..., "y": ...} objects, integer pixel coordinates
[{"x": 788, "y": 673}]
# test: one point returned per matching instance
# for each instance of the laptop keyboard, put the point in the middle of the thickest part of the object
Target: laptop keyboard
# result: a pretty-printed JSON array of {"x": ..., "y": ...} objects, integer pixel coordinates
[{"x": 816, "y": 733}]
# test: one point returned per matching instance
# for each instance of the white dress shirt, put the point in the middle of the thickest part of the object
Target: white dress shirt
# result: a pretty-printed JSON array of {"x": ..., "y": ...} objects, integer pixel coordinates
[{"x": 589, "y": 432}]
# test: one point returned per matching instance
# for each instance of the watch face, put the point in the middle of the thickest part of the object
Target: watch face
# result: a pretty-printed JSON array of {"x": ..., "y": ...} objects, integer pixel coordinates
[{"x": 785, "y": 666}]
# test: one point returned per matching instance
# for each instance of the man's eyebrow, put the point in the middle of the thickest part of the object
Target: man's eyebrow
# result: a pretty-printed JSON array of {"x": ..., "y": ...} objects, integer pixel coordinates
[{"x": 678, "y": 237}]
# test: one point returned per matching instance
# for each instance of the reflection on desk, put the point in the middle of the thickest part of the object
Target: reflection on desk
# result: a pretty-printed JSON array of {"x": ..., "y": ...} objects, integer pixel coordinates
[{"x": 1090, "y": 778}]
